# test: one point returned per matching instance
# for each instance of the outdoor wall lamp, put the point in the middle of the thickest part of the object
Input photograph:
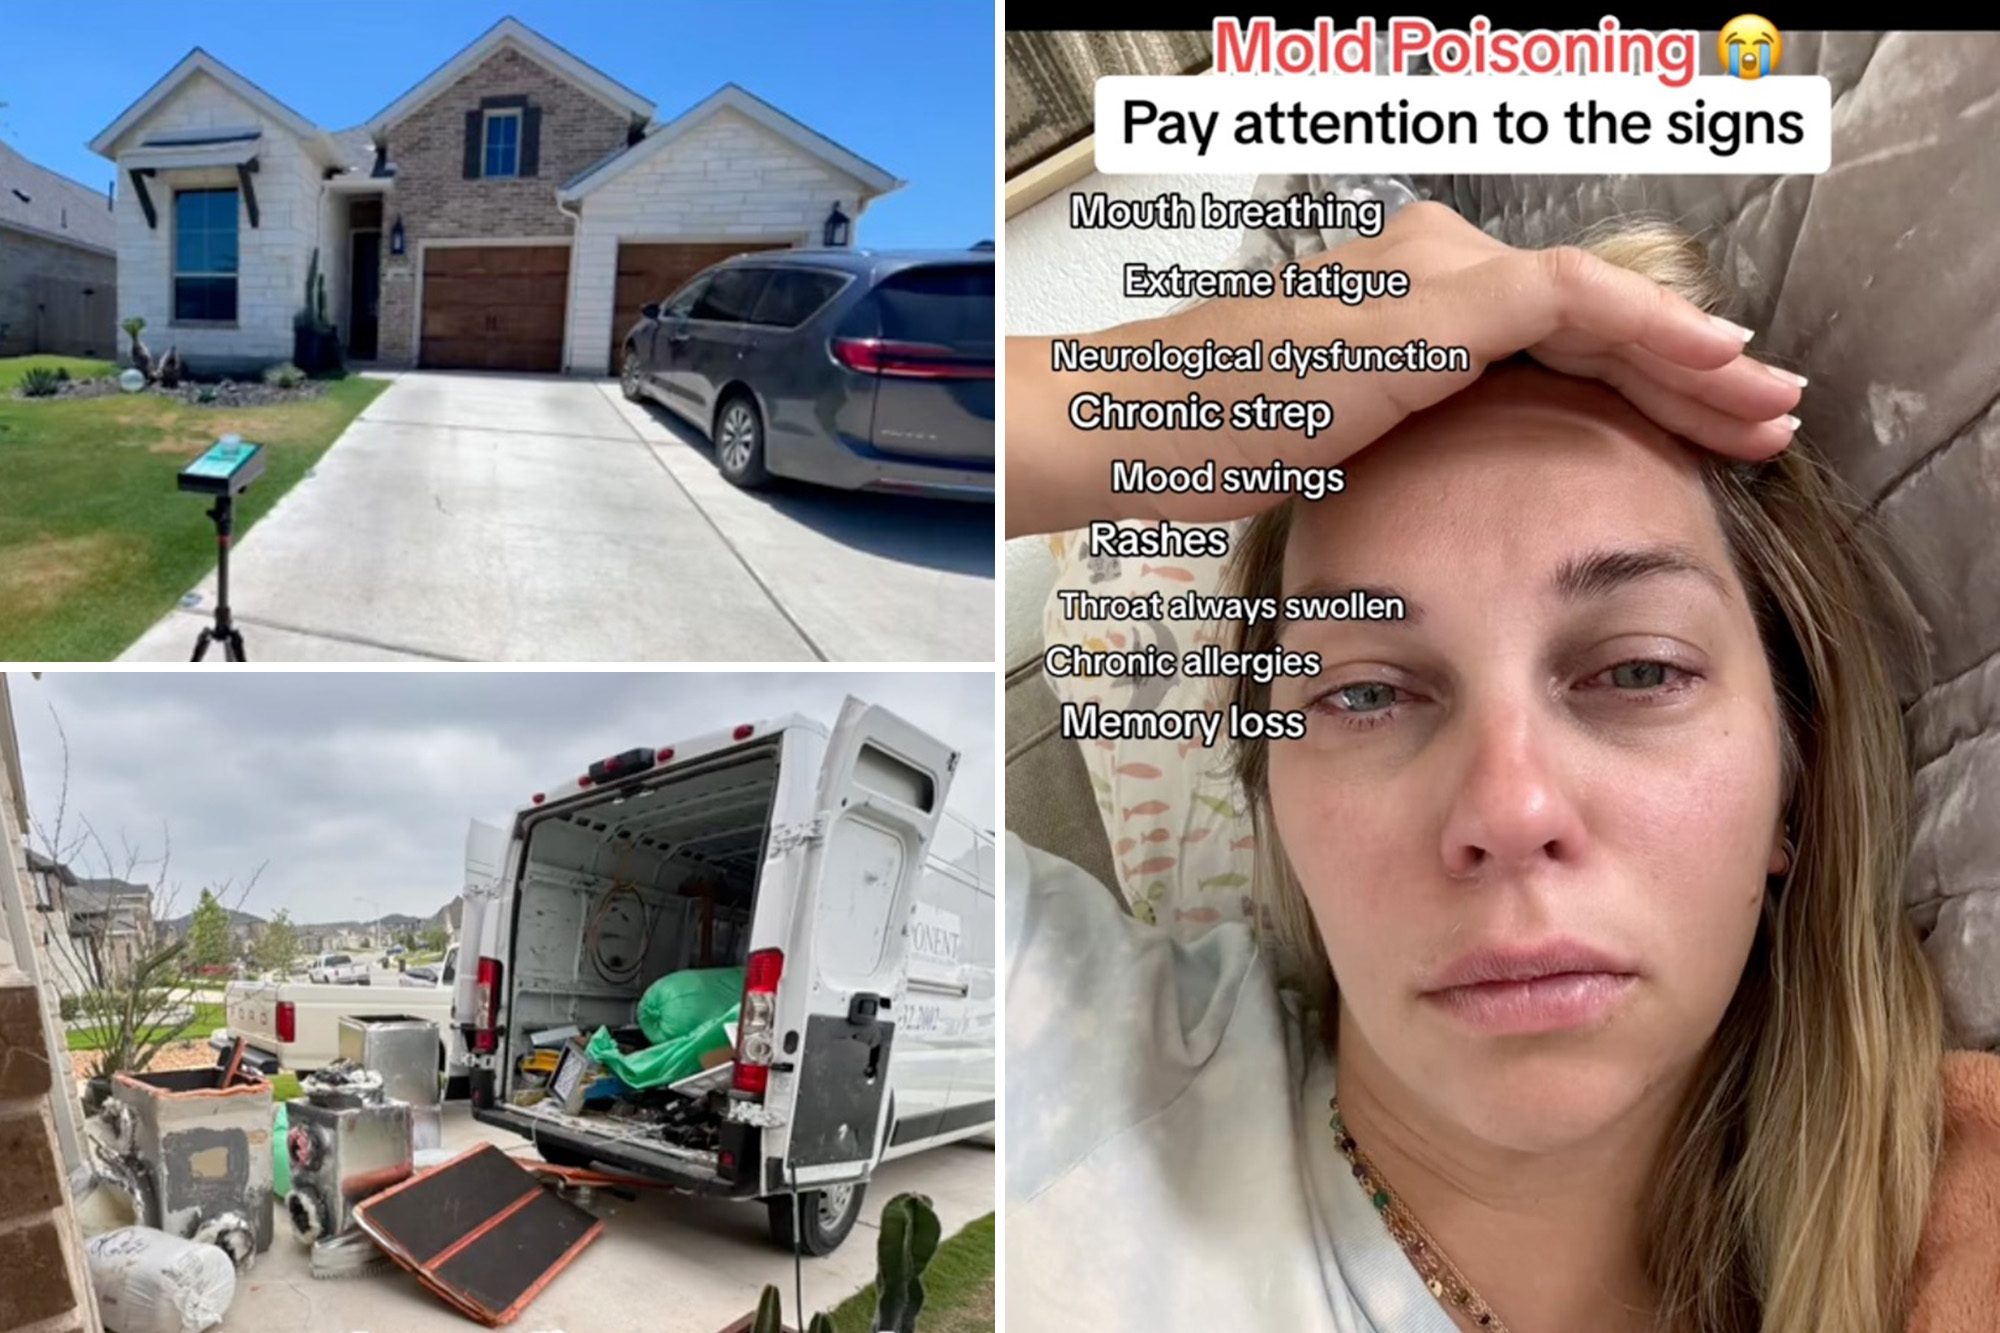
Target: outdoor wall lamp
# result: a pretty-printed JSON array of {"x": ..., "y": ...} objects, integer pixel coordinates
[
  {"x": 837, "y": 225},
  {"x": 396, "y": 237}
]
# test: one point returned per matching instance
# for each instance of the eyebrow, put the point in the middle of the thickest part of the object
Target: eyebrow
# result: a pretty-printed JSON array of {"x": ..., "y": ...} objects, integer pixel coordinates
[{"x": 1596, "y": 574}]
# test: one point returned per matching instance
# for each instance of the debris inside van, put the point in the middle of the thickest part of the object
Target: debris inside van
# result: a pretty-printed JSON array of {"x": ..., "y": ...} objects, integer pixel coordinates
[
  {"x": 480, "y": 1231},
  {"x": 685, "y": 1017}
]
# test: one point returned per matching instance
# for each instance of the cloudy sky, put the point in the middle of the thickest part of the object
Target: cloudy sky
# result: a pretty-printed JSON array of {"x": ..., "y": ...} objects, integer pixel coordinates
[{"x": 353, "y": 789}]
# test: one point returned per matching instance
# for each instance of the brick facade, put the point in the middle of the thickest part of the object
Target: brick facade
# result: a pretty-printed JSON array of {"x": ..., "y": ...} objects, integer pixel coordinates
[
  {"x": 43, "y": 1282},
  {"x": 436, "y": 201}
]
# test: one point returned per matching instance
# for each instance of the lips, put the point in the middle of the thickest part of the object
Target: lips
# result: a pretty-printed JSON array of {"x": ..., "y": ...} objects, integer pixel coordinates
[
  {"x": 1528, "y": 962},
  {"x": 1543, "y": 987}
]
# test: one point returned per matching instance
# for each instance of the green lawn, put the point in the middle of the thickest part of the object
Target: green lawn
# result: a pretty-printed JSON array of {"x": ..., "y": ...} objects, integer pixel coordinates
[
  {"x": 95, "y": 542},
  {"x": 958, "y": 1288},
  {"x": 207, "y": 1018},
  {"x": 12, "y": 368}
]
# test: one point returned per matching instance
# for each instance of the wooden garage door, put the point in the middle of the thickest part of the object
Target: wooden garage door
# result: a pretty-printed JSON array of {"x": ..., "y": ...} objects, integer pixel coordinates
[
  {"x": 494, "y": 307},
  {"x": 648, "y": 273}
]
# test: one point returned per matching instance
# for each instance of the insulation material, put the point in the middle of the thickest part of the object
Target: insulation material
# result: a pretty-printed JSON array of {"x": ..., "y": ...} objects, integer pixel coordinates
[
  {"x": 150, "y": 1282},
  {"x": 480, "y": 1232}
]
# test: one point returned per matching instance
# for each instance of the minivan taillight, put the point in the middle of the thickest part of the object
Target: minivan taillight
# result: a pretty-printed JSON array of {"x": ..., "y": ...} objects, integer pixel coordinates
[
  {"x": 908, "y": 360},
  {"x": 758, "y": 1019},
  {"x": 486, "y": 1001},
  {"x": 288, "y": 1021}
]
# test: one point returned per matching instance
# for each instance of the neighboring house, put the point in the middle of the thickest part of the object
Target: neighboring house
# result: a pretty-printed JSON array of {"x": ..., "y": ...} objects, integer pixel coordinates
[
  {"x": 512, "y": 211},
  {"x": 58, "y": 263},
  {"x": 94, "y": 926}
]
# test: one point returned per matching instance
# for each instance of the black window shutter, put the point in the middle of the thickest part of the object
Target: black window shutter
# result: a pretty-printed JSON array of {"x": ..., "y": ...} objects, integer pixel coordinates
[
  {"x": 531, "y": 140},
  {"x": 472, "y": 144}
]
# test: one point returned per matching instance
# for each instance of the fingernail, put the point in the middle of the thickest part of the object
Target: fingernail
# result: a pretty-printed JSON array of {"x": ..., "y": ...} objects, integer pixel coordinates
[
  {"x": 1791, "y": 423},
  {"x": 1741, "y": 333},
  {"x": 1791, "y": 377}
]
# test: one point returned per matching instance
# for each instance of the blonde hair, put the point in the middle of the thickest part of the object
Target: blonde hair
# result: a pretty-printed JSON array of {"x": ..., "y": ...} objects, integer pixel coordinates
[{"x": 1793, "y": 1193}]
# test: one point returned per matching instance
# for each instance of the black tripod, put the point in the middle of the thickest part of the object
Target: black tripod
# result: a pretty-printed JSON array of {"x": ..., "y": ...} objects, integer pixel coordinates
[{"x": 224, "y": 631}]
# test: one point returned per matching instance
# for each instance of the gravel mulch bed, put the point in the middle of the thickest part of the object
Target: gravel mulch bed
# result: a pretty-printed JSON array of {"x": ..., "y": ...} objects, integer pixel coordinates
[{"x": 225, "y": 393}]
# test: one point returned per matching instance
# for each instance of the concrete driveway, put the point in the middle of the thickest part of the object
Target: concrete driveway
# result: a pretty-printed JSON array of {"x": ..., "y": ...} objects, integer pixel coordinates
[
  {"x": 664, "y": 1264},
  {"x": 476, "y": 517}
]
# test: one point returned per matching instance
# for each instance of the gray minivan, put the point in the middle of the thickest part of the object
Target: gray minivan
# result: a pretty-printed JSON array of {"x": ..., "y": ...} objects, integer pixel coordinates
[{"x": 858, "y": 369}]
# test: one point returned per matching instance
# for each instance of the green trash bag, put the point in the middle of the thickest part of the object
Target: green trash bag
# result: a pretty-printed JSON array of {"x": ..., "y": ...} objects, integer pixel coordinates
[
  {"x": 281, "y": 1164},
  {"x": 678, "y": 1003},
  {"x": 684, "y": 1015},
  {"x": 657, "y": 1066}
]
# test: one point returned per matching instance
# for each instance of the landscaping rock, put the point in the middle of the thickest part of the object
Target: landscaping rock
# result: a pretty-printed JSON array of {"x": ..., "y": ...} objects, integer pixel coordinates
[{"x": 227, "y": 393}]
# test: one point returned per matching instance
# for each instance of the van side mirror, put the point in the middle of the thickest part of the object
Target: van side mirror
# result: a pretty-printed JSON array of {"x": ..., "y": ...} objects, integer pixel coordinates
[{"x": 650, "y": 311}]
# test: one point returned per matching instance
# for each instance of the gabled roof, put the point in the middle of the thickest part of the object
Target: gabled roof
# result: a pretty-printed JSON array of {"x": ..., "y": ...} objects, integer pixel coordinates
[
  {"x": 196, "y": 62},
  {"x": 730, "y": 97},
  {"x": 36, "y": 199},
  {"x": 37, "y": 864},
  {"x": 511, "y": 31}
]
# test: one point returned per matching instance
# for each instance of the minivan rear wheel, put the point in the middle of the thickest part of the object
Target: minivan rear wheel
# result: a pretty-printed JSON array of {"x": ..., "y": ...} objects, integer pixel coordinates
[
  {"x": 739, "y": 443},
  {"x": 825, "y": 1216},
  {"x": 628, "y": 376}
]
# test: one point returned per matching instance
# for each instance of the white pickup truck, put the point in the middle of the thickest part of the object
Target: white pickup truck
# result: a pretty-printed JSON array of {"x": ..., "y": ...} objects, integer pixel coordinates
[
  {"x": 338, "y": 969},
  {"x": 295, "y": 1025}
]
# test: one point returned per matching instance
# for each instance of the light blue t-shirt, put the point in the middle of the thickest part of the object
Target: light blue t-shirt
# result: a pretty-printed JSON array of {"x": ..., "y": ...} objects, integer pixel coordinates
[{"x": 1169, "y": 1164}]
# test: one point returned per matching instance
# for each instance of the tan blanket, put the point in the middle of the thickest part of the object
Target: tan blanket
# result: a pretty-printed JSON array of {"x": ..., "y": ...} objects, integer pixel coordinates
[{"x": 1958, "y": 1266}]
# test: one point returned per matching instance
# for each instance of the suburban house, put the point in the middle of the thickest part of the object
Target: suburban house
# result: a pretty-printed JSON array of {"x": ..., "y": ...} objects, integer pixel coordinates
[
  {"x": 58, "y": 263},
  {"x": 96, "y": 930},
  {"x": 511, "y": 211}
]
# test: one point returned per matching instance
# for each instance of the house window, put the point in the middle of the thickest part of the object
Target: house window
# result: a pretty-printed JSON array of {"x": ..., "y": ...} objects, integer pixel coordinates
[
  {"x": 205, "y": 255},
  {"x": 503, "y": 143}
]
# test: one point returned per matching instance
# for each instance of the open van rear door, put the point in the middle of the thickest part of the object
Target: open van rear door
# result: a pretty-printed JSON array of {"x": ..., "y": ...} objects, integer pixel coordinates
[
  {"x": 881, "y": 791},
  {"x": 485, "y": 860}
]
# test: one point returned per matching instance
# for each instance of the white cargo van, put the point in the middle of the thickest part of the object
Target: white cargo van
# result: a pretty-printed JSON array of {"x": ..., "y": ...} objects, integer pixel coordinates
[{"x": 825, "y": 866}]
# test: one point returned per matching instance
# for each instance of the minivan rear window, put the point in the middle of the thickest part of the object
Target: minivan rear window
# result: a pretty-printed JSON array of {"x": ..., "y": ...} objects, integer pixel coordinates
[
  {"x": 793, "y": 295},
  {"x": 947, "y": 304}
]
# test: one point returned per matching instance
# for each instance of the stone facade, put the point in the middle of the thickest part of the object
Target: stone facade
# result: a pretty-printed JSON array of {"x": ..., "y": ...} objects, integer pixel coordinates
[
  {"x": 727, "y": 179},
  {"x": 272, "y": 256},
  {"x": 26, "y": 256},
  {"x": 436, "y": 201}
]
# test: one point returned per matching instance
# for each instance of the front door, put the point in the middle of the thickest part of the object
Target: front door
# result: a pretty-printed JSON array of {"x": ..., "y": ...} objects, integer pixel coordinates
[{"x": 364, "y": 294}]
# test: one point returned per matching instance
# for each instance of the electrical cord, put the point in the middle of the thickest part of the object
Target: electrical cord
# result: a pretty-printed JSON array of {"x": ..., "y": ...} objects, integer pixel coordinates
[{"x": 613, "y": 973}]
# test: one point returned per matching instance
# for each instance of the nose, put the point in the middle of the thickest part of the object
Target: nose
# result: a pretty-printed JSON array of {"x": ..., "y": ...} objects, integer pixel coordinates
[{"x": 1512, "y": 805}]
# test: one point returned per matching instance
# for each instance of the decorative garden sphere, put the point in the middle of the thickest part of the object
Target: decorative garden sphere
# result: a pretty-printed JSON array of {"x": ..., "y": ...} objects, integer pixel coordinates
[{"x": 132, "y": 381}]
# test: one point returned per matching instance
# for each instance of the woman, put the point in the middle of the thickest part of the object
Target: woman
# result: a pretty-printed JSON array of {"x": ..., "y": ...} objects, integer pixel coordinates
[{"x": 1601, "y": 841}]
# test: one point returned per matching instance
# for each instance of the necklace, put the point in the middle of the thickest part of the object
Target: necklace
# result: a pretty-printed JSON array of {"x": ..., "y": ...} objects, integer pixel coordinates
[{"x": 1439, "y": 1274}]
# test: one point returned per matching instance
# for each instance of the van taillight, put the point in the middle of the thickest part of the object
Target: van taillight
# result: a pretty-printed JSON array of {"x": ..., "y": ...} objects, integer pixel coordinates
[
  {"x": 288, "y": 1021},
  {"x": 908, "y": 360},
  {"x": 757, "y": 1020},
  {"x": 487, "y": 999}
]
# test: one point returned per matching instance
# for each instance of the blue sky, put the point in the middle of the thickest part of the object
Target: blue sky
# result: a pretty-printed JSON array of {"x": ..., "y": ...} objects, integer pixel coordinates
[{"x": 908, "y": 84}]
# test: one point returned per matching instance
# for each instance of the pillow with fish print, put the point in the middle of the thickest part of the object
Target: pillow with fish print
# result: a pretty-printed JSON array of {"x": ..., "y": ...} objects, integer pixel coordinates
[{"x": 1178, "y": 826}]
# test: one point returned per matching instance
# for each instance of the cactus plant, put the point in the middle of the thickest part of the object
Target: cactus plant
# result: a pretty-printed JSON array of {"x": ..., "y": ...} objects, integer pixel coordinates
[
  {"x": 909, "y": 1240},
  {"x": 142, "y": 360},
  {"x": 821, "y": 1323},
  {"x": 770, "y": 1313}
]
